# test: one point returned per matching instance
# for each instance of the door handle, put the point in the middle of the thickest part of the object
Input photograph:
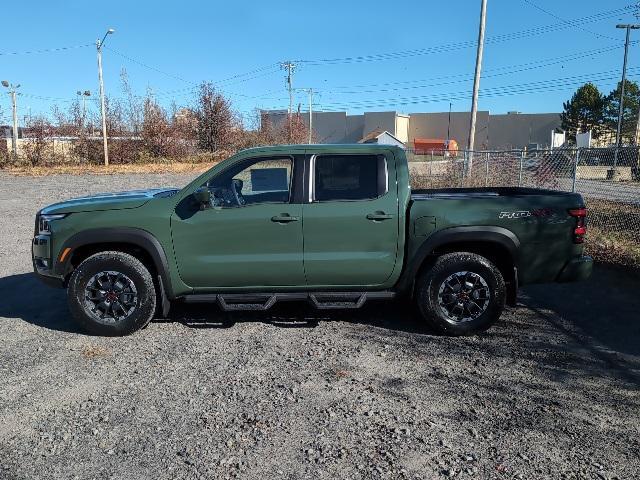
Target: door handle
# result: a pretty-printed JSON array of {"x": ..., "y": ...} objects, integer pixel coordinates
[
  {"x": 379, "y": 216},
  {"x": 284, "y": 218}
]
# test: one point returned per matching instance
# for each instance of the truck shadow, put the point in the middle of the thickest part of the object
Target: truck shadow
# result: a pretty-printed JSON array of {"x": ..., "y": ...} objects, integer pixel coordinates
[
  {"x": 604, "y": 308},
  {"x": 388, "y": 315},
  {"x": 24, "y": 297},
  {"x": 600, "y": 314}
]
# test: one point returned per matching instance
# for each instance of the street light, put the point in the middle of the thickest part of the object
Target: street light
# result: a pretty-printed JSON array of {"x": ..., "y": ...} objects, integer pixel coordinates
[
  {"x": 84, "y": 96},
  {"x": 628, "y": 27},
  {"x": 14, "y": 108},
  {"x": 99, "y": 44}
]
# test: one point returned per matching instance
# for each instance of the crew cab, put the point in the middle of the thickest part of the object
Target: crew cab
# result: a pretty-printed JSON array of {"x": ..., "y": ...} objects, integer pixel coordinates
[{"x": 333, "y": 225}]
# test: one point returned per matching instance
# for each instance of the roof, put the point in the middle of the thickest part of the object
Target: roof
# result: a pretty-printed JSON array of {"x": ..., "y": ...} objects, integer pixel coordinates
[{"x": 378, "y": 133}]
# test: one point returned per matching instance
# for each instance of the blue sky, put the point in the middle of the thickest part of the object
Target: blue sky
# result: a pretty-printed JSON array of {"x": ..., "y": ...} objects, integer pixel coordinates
[{"x": 411, "y": 56}]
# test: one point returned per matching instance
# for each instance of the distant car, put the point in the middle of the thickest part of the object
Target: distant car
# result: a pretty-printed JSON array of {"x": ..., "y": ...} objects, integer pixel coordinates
[{"x": 333, "y": 225}]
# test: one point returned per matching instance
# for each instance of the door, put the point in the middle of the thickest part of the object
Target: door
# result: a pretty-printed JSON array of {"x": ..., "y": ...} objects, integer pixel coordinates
[
  {"x": 351, "y": 221},
  {"x": 250, "y": 235}
]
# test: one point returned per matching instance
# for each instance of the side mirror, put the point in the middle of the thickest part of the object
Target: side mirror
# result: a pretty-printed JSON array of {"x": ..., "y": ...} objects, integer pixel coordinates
[{"x": 203, "y": 197}]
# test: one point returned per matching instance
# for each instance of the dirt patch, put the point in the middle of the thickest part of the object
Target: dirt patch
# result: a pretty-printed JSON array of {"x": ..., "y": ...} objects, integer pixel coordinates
[{"x": 95, "y": 351}]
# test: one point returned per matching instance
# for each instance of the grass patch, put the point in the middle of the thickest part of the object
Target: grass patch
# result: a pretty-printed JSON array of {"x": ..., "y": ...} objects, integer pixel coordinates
[{"x": 613, "y": 236}]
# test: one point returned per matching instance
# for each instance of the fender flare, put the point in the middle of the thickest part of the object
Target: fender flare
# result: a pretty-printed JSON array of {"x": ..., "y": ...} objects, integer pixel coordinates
[
  {"x": 134, "y": 236},
  {"x": 486, "y": 234}
]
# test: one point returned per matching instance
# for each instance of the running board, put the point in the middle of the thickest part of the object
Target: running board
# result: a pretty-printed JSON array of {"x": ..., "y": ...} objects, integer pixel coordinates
[{"x": 264, "y": 301}]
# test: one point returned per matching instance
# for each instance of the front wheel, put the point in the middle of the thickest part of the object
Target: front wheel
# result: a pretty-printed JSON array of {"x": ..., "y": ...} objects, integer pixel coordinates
[
  {"x": 461, "y": 294},
  {"x": 112, "y": 293}
]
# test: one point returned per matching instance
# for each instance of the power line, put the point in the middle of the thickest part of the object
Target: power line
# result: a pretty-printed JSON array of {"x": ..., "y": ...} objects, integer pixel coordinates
[
  {"x": 145, "y": 65},
  {"x": 445, "y": 48},
  {"x": 579, "y": 27},
  {"x": 533, "y": 87},
  {"x": 48, "y": 50},
  {"x": 465, "y": 77}
]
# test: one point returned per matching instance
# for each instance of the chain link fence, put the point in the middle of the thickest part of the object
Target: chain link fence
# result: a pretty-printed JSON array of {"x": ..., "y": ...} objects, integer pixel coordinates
[{"x": 607, "y": 178}]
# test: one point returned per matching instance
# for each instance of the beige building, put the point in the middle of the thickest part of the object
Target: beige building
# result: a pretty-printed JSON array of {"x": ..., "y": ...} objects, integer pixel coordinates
[{"x": 495, "y": 132}]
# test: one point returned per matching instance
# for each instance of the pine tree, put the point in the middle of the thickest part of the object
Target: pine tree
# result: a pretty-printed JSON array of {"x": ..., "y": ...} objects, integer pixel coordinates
[
  {"x": 584, "y": 112},
  {"x": 630, "y": 113}
]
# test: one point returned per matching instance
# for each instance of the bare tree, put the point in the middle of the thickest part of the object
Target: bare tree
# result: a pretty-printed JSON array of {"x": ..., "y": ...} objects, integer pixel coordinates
[
  {"x": 217, "y": 125},
  {"x": 156, "y": 131},
  {"x": 134, "y": 107},
  {"x": 114, "y": 113},
  {"x": 264, "y": 131},
  {"x": 299, "y": 131},
  {"x": 38, "y": 146},
  {"x": 63, "y": 123}
]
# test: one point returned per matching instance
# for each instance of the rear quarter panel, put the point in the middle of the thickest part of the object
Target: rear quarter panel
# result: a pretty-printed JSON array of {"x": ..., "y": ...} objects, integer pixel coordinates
[{"x": 541, "y": 223}]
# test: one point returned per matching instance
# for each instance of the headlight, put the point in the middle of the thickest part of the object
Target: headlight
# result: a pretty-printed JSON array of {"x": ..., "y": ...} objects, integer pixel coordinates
[{"x": 44, "y": 222}]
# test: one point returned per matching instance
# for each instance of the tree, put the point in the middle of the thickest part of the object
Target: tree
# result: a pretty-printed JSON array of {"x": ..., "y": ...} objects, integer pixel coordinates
[
  {"x": 630, "y": 111},
  {"x": 217, "y": 125},
  {"x": 38, "y": 145},
  {"x": 156, "y": 130},
  {"x": 584, "y": 112},
  {"x": 132, "y": 107}
]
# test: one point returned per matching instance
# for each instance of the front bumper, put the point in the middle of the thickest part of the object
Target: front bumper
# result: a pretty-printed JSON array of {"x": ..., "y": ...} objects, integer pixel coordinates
[
  {"x": 576, "y": 269},
  {"x": 43, "y": 262}
]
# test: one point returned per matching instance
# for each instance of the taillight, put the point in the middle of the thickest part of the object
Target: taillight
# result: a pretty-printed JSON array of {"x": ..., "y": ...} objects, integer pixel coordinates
[{"x": 580, "y": 230}]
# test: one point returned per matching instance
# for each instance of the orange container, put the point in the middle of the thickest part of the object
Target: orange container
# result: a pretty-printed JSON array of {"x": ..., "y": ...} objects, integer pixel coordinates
[{"x": 437, "y": 146}]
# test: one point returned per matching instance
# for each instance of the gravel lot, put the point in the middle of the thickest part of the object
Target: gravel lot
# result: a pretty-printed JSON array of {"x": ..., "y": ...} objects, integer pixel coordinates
[{"x": 550, "y": 392}]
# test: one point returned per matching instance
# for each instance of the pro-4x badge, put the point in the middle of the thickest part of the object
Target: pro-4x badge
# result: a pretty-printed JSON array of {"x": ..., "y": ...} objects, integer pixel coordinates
[{"x": 519, "y": 214}]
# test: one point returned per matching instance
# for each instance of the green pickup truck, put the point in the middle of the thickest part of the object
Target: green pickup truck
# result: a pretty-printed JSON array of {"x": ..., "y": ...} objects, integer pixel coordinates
[{"x": 332, "y": 225}]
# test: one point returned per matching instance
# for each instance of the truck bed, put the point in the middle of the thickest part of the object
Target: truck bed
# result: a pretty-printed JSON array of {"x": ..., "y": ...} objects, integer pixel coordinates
[{"x": 537, "y": 218}]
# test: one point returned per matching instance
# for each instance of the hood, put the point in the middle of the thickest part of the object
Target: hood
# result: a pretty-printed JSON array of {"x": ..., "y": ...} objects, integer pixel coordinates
[{"x": 109, "y": 201}]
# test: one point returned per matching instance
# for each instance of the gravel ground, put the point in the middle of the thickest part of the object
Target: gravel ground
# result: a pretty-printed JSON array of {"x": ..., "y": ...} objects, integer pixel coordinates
[{"x": 550, "y": 392}]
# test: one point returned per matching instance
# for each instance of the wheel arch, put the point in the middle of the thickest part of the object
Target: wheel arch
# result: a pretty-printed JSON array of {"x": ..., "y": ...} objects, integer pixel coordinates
[
  {"x": 135, "y": 241},
  {"x": 497, "y": 244}
]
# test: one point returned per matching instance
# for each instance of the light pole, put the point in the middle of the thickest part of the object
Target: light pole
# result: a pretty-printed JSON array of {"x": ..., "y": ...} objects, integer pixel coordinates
[
  {"x": 476, "y": 84},
  {"x": 310, "y": 93},
  {"x": 628, "y": 27},
  {"x": 99, "y": 44},
  {"x": 84, "y": 96},
  {"x": 449, "y": 126},
  {"x": 14, "y": 108}
]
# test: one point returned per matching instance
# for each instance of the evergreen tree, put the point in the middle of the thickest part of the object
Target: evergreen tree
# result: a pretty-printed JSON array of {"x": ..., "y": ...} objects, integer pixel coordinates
[
  {"x": 584, "y": 112},
  {"x": 630, "y": 111}
]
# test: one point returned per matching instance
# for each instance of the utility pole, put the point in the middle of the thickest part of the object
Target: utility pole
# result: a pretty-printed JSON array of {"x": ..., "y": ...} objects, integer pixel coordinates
[
  {"x": 289, "y": 66},
  {"x": 310, "y": 91},
  {"x": 14, "y": 110},
  {"x": 628, "y": 27},
  {"x": 84, "y": 96},
  {"x": 476, "y": 85},
  {"x": 99, "y": 44},
  {"x": 449, "y": 126}
]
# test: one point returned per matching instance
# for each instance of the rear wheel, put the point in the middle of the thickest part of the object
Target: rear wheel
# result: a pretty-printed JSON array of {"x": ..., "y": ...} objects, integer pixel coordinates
[
  {"x": 112, "y": 293},
  {"x": 463, "y": 293}
]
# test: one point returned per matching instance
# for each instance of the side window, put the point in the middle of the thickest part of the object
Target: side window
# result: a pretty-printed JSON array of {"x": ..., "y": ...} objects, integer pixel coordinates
[
  {"x": 263, "y": 181},
  {"x": 349, "y": 177}
]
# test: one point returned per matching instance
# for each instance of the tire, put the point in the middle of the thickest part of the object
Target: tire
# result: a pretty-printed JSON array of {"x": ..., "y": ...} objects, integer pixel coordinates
[
  {"x": 111, "y": 279},
  {"x": 461, "y": 294}
]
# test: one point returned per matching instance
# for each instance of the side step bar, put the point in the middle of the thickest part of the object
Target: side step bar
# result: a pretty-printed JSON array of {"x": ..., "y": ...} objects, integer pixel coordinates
[{"x": 264, "y": 301}]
